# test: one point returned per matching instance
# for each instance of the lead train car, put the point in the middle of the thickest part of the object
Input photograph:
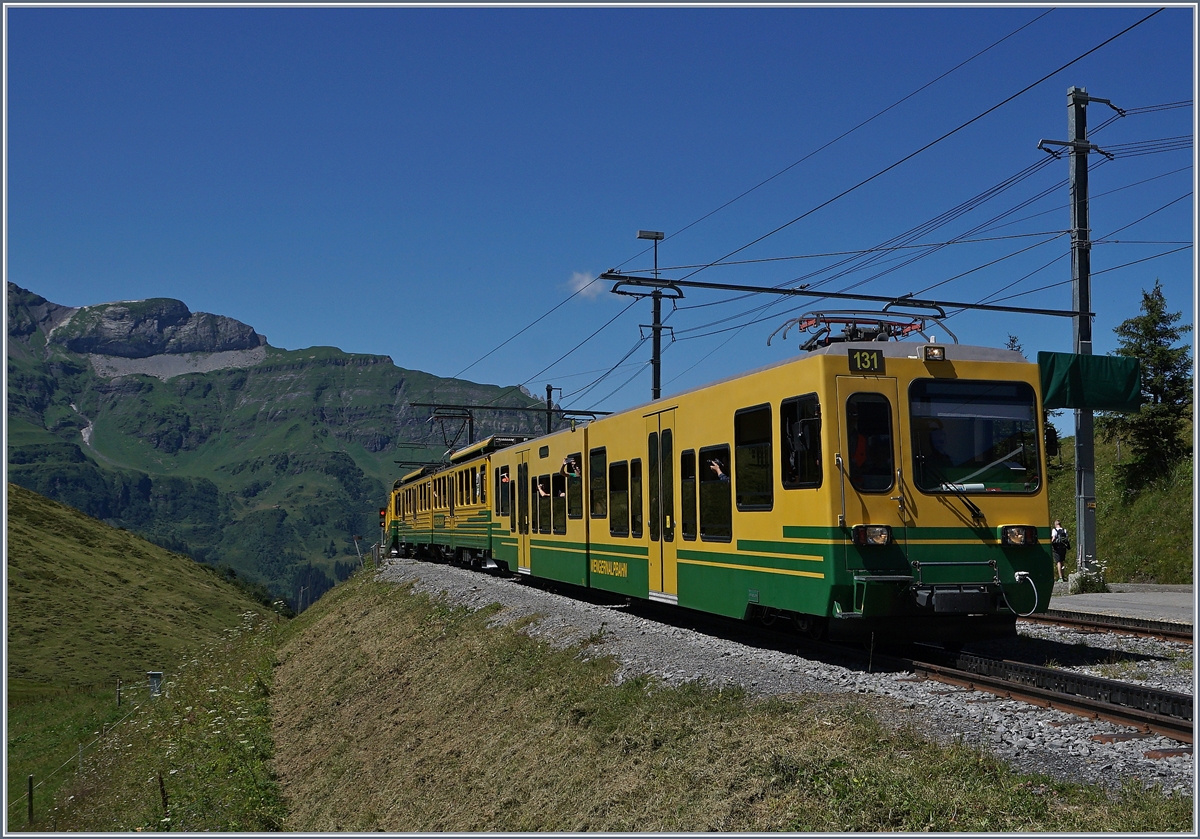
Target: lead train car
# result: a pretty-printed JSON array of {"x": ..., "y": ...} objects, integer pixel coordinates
[{"x": 885, "y": 487}]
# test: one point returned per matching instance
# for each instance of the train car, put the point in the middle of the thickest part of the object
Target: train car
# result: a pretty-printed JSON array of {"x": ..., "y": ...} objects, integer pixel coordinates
[
  {"x": 445, "y": 511},
  {"x": 887, "y": 488}
]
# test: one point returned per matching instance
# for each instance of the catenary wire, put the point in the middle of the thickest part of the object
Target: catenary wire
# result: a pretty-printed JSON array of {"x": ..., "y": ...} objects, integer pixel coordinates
[
  {"x": 928, "y": 145},
  {"x": 978, "y": 228},
  {"x": 564, "y": 355},
  {"x": 846, "y": 133},
  {"x": 762, "y": 183},
  {"x": 992, "y": 297}
]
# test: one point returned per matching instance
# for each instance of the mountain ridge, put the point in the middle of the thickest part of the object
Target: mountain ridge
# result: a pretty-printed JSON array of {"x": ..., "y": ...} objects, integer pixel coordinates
[{"x": 193, "y": 431}]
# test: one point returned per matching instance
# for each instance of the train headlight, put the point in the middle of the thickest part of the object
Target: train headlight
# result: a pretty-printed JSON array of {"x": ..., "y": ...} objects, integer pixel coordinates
[
  {"x": 1018, "y": 534},
  {"x": 872, "y": 534},
  {"x": 934, "y": 353}
]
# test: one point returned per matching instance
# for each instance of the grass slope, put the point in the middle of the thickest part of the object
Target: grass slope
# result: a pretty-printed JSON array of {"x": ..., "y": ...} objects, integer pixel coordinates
[
  {"x": 87, "y": 604},
  {"x": 395, "y": 712},
  {"x": 1143, "y": 537},
  {"x": 196, "y": 758}
]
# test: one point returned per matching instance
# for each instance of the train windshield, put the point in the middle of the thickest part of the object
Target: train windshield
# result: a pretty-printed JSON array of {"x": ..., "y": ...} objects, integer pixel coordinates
[{"x": 974, "y": 436}]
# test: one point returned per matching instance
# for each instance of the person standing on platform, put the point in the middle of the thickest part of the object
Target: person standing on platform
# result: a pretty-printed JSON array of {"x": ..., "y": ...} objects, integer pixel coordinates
[{"x": 1060, "y": 543}]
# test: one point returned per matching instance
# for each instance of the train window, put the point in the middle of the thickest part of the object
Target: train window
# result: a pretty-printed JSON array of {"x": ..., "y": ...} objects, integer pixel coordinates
[
  {"x": 575, "y": 486},
  {"x": 869, "y": 439},
  {"x": 521, "y": 508},
  {"x": 635, "y": 499},
  {"x": 668, "y": 488},
  {"x": 543, "y": 504},
  {"x": 618, "y": 499},
  {"x": 974, "y": 436},
  {"x": 558, "y": 500},
  {"x": 398, "y": 509},
  {"x": 800, "y": 442},
  {"x": 752, "y": 468},
  {"x": 653, "y": 461},
  {"x": 687, "y": 494},
  {"x": 503, "y": 492},
  {"x": 716, "y": 500},
  {"x": 597, "y": 470},
  {"x": 483, "y": 485}
]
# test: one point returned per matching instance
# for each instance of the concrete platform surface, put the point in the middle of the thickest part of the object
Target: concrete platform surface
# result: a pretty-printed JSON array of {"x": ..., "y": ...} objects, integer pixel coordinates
[{"x": 1174, "y": 604}]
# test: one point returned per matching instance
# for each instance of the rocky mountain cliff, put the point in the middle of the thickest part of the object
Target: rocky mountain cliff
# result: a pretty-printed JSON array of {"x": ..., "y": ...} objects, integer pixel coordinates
[
  {"x": 144, "y": 328},
  {"x": 192, "y": 430}
]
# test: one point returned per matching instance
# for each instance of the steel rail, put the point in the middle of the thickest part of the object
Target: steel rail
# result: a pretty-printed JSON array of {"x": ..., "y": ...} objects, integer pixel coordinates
[
  {"x": 1149, "y": 709},
  {"x": 1117, "y": 623}
]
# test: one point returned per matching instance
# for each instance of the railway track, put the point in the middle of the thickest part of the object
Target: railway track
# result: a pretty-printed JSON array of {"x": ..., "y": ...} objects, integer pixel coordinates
[
  {"x": 1116, "y": 623},
  {"x": 1148, "y": 709}
]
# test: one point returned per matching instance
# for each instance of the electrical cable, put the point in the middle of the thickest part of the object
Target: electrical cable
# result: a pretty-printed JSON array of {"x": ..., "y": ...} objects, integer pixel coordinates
[
  {"x": 983, "y": 226},
  {"x": 925, "y": 227},
  {"x": 860, "y": 252},
  {"x": 846, "y": 133},
  {"x": 873, "y": 255},
  {"x": 564, "y": 355},
  {"x": 574, "y": 294},
  {"x": 992, "y": 297},
  {"x": 620, "y": 387},
  {"x": 1093, "y": 197},
  {"x": 592, "y": 385},
  {"x": 928, "y": 145}
]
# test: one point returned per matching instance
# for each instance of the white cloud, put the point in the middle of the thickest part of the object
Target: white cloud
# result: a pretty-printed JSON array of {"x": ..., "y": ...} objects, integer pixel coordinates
[{"x": 579, "y": 282}]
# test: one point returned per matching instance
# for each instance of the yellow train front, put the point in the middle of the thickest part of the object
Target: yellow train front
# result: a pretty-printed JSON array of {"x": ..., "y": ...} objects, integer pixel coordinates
[{"x": 891, "y": 488}]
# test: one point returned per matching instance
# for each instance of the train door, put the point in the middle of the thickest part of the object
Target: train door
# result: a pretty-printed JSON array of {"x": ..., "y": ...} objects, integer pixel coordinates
[
  {"x": 521, "y": 504},
  {"x": 660, "y": 513},
  {"x": 870, "y": 472}
]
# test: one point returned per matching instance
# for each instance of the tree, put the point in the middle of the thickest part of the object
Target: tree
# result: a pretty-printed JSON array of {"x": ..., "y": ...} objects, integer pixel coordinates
[{"x": 1155, "y": 433}]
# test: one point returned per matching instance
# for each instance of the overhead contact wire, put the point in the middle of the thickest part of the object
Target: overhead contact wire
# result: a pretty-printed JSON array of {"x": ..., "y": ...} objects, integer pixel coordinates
[
  {"x": 928, "y": 145},
  {"x": 846, "y": 133}
]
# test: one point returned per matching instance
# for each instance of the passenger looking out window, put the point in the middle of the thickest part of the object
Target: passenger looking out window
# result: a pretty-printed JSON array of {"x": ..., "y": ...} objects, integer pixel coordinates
[{"x": 716, "y": 498}]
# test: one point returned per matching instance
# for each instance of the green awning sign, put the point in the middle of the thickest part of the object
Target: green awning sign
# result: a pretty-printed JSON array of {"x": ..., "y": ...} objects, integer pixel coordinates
[{"x": 1099, "y": 382}]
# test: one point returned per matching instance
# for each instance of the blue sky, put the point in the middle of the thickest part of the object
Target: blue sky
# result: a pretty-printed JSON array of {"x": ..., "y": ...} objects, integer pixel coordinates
[{"x": 426, "y": 183}]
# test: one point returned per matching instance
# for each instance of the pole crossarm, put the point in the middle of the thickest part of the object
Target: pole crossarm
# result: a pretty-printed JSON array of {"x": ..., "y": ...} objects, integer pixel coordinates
[
  {"x": 1073, "y": 145},
  {"x": 803, "y": 291}
]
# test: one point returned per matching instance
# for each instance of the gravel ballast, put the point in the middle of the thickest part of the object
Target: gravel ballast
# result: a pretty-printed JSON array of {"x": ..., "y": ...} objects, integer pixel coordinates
[{"x": 1031, "y": 739}]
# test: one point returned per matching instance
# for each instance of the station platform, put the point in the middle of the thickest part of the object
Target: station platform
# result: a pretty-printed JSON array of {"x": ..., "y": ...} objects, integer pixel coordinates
[{"x": 1148, "y": 602}]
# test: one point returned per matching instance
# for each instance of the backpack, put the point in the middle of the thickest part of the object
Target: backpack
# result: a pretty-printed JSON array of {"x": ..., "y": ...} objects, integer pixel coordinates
[{"x": 1062, "y": 539}]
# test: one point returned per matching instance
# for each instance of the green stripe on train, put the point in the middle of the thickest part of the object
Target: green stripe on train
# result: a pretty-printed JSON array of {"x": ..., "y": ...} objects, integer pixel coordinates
[{"x": 945, "y": 534}]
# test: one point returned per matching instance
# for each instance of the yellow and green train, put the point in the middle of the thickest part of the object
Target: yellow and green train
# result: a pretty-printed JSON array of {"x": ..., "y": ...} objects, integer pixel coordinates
[{"x": 866, "y": 487}]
